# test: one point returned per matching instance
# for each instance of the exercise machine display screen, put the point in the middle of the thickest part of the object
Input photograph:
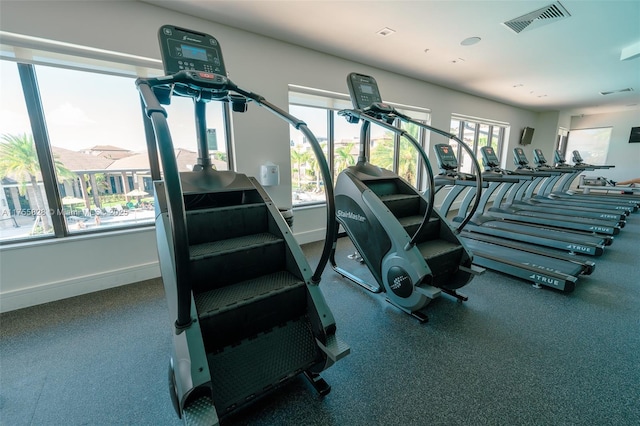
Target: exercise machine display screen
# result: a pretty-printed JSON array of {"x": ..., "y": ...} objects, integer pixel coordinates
[
  {"x": 189, "y": 50},
  {"x": 539, "y": 156},
  {"x": 193, "y": 52},
  {"x": 577, "y": 158},
  {"x": 489, "y": 156},
  {"x": 363, "y": 90},
  {"x": 520, "y": 157},
  {"x": 446, "y": 157}
]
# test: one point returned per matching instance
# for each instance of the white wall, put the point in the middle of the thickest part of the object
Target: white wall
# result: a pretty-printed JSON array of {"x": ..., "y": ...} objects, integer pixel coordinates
[{"x": 256, "y": 63}]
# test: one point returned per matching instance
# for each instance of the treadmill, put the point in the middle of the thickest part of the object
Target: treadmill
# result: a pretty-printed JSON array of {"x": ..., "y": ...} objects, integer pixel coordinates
[
  {"x": 521, "y": 260},
  {"x": 540, "y": 200},
  {"x": 506, "y": 210},
  {"x": 572, "y": 242},
  {"x": 631, "y": 201}
]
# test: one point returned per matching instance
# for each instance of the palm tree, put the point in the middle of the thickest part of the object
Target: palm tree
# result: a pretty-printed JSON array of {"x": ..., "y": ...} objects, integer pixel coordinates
[
  {"x": 407, "y": 161},
  {"x": 18, "y": 158},
  {"x": 382, "y": 154},
  {"x": 299, "y": 158},
  {"x": 343, "y": 157}
]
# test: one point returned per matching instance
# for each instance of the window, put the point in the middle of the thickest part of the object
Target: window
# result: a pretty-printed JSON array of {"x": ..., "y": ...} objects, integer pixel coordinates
[
  {"x": 24, "y": 210},
  {"x": 561, "y": 140},
  {"x": 476, "y": 133},
  {"x": 95, "y": 140},
  {"x": 341, "y": 141},
  {"x": 592, "y": 144}
]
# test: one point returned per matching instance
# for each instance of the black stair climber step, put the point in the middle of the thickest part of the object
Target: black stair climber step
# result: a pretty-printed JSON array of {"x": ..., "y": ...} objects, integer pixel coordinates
[
  {"x": 242, "y": 372},
  {"x": 237, "y": 311},
  {"x": 220, "y": 223},
  {"x": 402, "y": 205},
  {"x": 235, "y": 259},
  {"x": 412, "y": 223},
  {"x": 443, "y": 257}
]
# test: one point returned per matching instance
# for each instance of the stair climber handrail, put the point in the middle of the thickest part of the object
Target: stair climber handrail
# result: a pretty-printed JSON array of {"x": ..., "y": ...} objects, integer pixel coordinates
[
  {"x": 353, "y": 115},
  {"x": 466, "y": 147},
  {"x": 331, "y": 224},
  {"x": 221, "y": 89},
  {"x": 177, "y": 217}
]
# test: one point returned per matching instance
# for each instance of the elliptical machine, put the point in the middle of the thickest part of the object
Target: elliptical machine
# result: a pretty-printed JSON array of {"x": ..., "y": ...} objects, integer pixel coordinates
[
  {"x": 249, "y": 314},
  {"x": 409, "y": 249}
]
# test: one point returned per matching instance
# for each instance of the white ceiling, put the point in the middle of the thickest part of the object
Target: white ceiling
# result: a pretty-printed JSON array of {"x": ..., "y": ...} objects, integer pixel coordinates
[{"x": 562, "y": 65}]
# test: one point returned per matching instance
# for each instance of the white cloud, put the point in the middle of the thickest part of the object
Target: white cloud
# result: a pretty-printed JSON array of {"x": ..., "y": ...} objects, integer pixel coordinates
[
  {"x": 13, "y": 123},
  {"x": 68, "y": 115}
]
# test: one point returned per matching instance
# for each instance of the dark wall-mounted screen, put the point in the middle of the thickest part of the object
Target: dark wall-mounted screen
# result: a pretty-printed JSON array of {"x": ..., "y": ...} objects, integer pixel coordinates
[
  {"x": 527, "y": 135},
  {"x": 634, "y": 137}
]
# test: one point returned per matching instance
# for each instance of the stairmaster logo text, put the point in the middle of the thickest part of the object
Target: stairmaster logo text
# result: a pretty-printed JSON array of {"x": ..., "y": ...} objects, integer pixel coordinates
[
  {"x": 187, "y": 38},
  {"x": 351, "y": 215}
]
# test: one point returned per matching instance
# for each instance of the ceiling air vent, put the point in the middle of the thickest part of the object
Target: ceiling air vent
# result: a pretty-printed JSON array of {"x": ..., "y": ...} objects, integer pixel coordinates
[
  {"x": 610, "y": 92},
  {"x": 553, "y": 13}
]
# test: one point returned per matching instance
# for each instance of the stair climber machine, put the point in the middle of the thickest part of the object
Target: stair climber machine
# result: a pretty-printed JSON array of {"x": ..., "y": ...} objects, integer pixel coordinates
[
  {"x": 249, "y": 314},
  {"x": 409, "y": 249},
  {"x": 542, "y": 267}
]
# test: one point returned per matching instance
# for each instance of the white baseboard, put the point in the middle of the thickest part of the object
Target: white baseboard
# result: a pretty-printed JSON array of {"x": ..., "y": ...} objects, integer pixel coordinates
[
  {"x": 310, "y": 236},
  {"x": 49, "y": 292}
]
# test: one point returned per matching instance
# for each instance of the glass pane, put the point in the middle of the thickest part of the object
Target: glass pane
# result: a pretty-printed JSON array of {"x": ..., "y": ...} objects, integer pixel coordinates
[
  {"x": 24, "y": 210},
  {"x": 381, "y": 147},
  {"x": 181, "y": 118},
  {"x": 484, "y": 136},
  {"x": 468, "y": 137},
  {"x": 306, "y": 180},
  {"x": 346, "y": 144},
  {"x": 408, "y": 161},
  {"x": 97, "y": 137},
  {"x": 592, "y": 144},
  {"x": 496, "y": 139}
]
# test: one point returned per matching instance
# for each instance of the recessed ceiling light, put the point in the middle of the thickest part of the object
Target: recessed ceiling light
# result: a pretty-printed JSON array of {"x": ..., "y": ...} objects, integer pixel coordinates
[
  {"x": 426, "y": 50},
  {"x": 385, "y": 31},
  {"x": 518, "y": 85},
  {"x": 470, "y": 41},
  {"x": 455, "y": 61}
]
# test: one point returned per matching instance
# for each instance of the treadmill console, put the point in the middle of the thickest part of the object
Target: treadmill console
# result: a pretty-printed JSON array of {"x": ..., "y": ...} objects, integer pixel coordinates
[
  {"x": 489, "y": 157},
  {"x": 577, "y": 158},
  {"x": 538, "y": 157},
  {"x": 188, "y": 50},
  {"x": 559, "y": 158},
  {"x": 363, "y": 90},
  {"x": 446, "y": 157},
  {"x": 519, "y": 157}
]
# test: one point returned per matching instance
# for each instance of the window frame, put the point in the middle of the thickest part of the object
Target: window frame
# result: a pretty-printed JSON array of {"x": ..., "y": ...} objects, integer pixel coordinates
[
  {"x": 475, "y": 146},
  {"x": 331, "y": 103},
  {"x": 27, "y": 53}
]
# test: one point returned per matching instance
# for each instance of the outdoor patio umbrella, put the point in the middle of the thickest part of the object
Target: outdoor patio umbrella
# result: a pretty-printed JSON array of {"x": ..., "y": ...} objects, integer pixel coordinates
[
  {"x": 68, "y": 201},
  {"x": 136, "y": 193}
]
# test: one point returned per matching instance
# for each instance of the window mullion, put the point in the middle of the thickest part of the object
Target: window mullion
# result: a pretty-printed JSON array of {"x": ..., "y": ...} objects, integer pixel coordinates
[
  {"x": 330, "y": 143},
  {"x": 43, "y": 147}
]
